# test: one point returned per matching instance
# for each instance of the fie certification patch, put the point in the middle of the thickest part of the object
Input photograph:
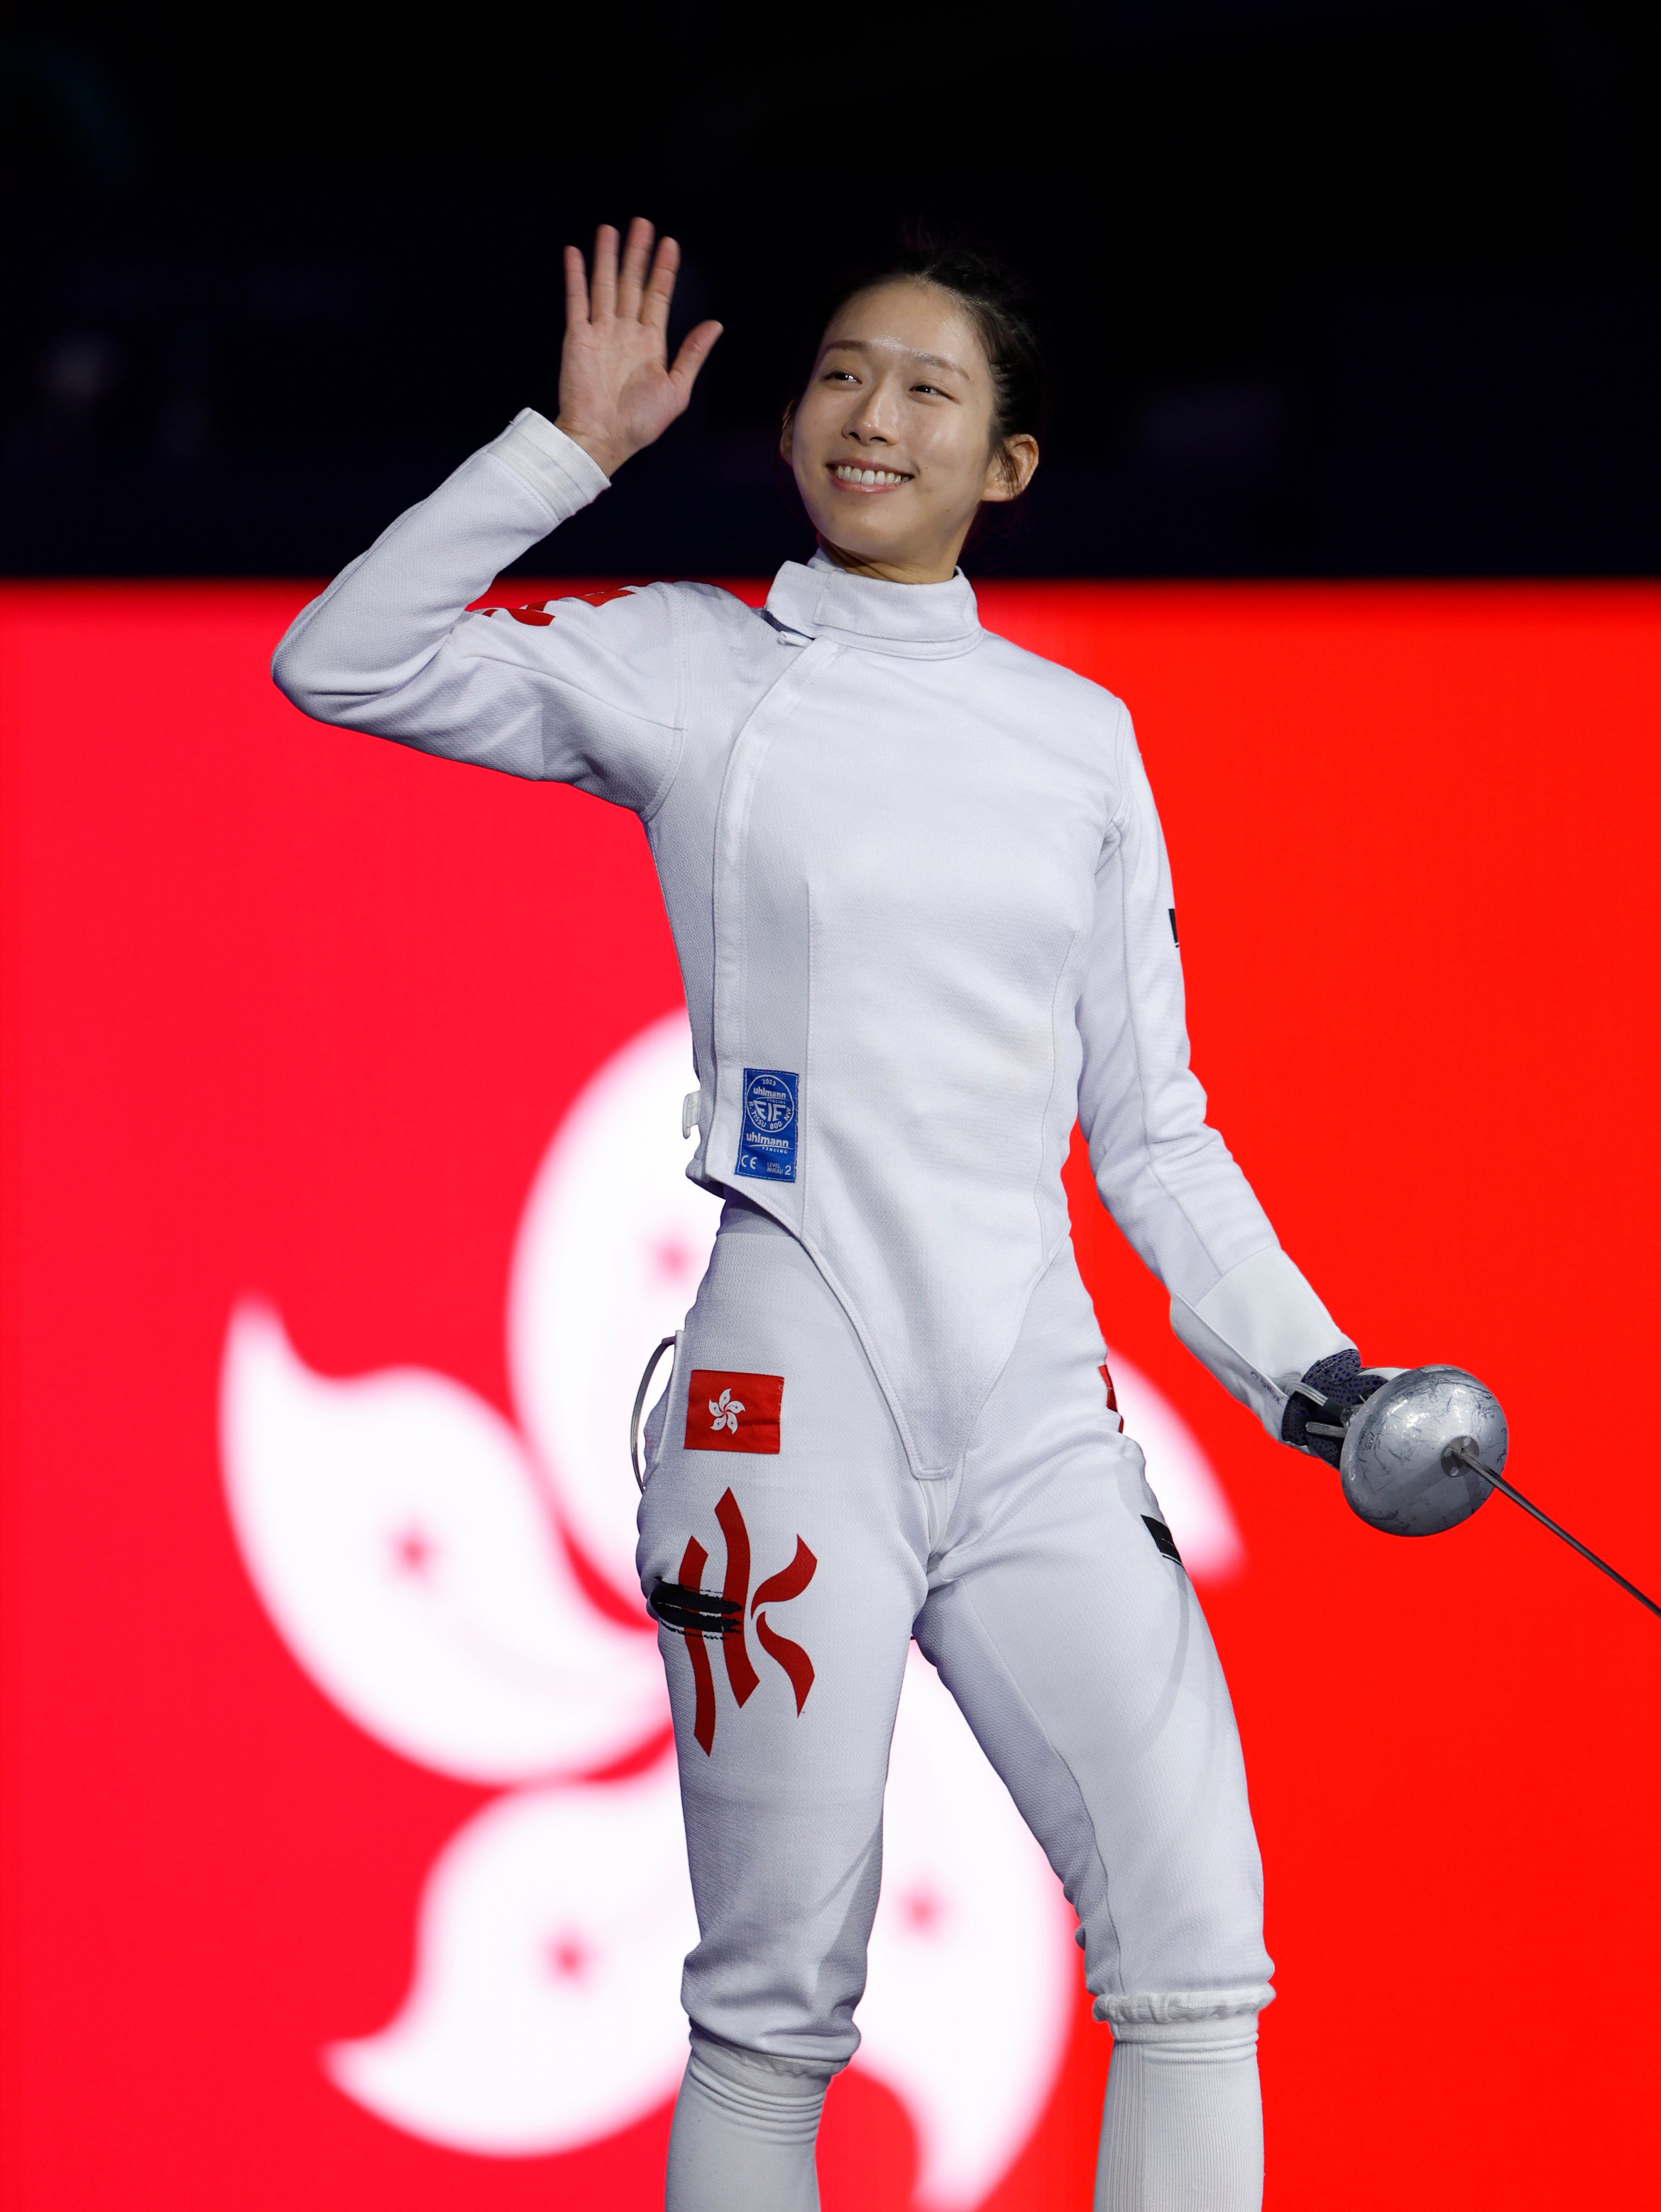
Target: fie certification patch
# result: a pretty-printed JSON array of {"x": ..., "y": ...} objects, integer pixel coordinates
[{"x": 767, "y": 1135}]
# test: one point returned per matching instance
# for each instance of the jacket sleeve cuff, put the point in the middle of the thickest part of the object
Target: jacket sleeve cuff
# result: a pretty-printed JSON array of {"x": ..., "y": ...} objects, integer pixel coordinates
[
  {"x": 1259, "y": 1328},
  {"x": 554, "y": 466}
]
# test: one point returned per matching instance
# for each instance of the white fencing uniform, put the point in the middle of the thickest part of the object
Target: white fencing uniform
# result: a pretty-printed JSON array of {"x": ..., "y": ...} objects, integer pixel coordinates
[
  {"x": 1030, "y": 1572},
  {"x": 925, "y": 920}
]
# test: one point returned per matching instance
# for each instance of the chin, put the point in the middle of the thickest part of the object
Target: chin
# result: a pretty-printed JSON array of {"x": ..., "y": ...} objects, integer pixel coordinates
[
  {"x": 855, "y": 533},
  {"x": 867, "y": 544}
]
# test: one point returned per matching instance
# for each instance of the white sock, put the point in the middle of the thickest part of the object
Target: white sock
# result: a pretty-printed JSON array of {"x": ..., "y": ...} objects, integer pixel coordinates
[
  {"x": 1182, "y": 2126},
  {"x": 744, "y": 2132}
]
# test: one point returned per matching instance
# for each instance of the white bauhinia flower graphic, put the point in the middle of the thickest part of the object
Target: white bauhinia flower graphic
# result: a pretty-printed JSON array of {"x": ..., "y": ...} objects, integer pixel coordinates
[{"x": 411, "y": 1546}]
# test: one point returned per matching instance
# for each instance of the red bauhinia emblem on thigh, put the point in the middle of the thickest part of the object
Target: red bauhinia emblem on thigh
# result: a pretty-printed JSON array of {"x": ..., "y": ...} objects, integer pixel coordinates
[{"x": 697, "y": 1615}]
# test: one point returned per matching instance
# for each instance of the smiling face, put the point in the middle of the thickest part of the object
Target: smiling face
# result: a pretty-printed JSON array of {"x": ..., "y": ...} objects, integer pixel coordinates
[{"x": 891, "y": 443}]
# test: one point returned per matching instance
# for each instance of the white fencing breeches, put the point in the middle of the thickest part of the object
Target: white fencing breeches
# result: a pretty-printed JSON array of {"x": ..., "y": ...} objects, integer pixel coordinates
[{"x": 1073, "y": 1646}]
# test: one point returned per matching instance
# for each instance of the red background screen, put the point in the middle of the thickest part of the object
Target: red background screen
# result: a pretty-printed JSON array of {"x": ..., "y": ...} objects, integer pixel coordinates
[{"x": 293, "y": 1012}]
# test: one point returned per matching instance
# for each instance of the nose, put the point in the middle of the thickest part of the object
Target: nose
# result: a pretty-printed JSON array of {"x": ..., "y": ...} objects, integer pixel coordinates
[{"x": 870, "y": 421}]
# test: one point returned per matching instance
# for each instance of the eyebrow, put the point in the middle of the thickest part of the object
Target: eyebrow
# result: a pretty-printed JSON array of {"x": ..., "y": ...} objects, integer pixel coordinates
[{"x": 928, "y": 360}]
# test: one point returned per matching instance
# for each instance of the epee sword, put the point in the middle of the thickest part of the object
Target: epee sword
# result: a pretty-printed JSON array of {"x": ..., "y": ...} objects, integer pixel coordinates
[{"x": 1425, "y": 1451}]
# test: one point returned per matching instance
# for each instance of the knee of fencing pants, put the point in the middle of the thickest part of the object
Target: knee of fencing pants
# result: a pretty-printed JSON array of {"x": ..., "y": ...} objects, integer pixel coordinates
[
  {"x": 1178, "y": 2016},
  {"x": 762, "y": 2075}
]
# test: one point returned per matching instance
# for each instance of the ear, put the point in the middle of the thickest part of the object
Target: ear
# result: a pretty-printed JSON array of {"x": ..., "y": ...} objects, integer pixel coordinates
[
  {"x": 787, "y": 432},
  {"x": 1011, "y": 468}
]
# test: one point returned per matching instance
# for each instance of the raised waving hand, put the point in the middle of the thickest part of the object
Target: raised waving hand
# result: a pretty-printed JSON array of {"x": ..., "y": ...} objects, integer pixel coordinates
[{"x": 617, "y": 390}]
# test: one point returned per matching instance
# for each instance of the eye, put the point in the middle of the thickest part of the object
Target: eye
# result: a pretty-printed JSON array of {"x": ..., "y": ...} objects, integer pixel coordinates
[
  {"x": 840, "y": 376},
  {"x": 933, "y": 390}
]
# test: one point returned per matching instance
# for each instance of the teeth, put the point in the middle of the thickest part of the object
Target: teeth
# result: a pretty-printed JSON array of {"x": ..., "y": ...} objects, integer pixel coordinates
[{"x": 845, "y": 472}]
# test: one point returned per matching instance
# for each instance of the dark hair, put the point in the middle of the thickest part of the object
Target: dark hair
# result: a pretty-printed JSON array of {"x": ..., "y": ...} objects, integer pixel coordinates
[{"x": 994, "y": 298}]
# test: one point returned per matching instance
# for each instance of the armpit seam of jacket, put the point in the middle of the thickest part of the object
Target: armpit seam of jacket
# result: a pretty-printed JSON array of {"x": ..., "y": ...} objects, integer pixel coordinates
[
  {"x": 564, "y": 684},
  {"x": 1120, "y": 728},
  {"x": 475, "y": 648},
  {"x": 1131, "y": 1024},
  {"x": 649, "y": 812}
]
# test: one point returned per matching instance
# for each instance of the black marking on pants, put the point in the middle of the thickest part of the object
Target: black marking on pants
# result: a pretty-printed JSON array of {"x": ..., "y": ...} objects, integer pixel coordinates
[
  {"x": 1172, "y": 911},
  {"x": 1163, "y": 1539},
  {"x": 694, "y": 1611}
]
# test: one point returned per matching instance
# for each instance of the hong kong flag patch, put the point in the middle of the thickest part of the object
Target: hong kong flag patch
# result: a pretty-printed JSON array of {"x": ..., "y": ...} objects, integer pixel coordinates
[{"x": 727, "y": 1412}]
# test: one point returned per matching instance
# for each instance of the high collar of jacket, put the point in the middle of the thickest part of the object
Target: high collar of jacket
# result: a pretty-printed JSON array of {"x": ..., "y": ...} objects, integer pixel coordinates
[{"x": 927, "y": 622}]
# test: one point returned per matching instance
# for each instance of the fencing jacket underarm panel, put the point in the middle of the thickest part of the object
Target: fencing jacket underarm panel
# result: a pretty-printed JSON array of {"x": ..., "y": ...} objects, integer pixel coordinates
[
  {"x": 1237, "y": 1301},
  {"x": 857, "y": 780}
]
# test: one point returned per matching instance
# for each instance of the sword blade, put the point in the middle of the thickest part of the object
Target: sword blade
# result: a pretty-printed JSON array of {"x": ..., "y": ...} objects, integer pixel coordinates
[{"x": 1468, "y": 1458}]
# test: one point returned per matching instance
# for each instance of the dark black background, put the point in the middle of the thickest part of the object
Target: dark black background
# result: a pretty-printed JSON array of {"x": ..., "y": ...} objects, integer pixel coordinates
[{"x": 1343, "y": 288}]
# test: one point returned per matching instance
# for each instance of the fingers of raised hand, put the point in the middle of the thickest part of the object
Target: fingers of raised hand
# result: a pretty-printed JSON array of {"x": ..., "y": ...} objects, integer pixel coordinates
[
  {"x": 603, "y": 292},
  {"x": 696, "y": 348},
  {"x": 661, "y": 289},
  {"x": 576, "y": 287},
  {"x": 637, "y": 255}
]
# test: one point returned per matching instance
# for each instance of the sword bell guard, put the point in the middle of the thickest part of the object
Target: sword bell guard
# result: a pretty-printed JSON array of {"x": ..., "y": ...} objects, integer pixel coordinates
[{"x": 1399, "y": 1466}]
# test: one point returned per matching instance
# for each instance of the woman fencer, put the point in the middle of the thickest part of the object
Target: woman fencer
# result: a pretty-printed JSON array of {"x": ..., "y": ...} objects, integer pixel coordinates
[{"x": 925, "y": 922}]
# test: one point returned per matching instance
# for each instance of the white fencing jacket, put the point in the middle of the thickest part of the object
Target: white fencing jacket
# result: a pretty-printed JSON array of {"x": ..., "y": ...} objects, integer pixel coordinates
[{"x": 921, "y": 903}]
